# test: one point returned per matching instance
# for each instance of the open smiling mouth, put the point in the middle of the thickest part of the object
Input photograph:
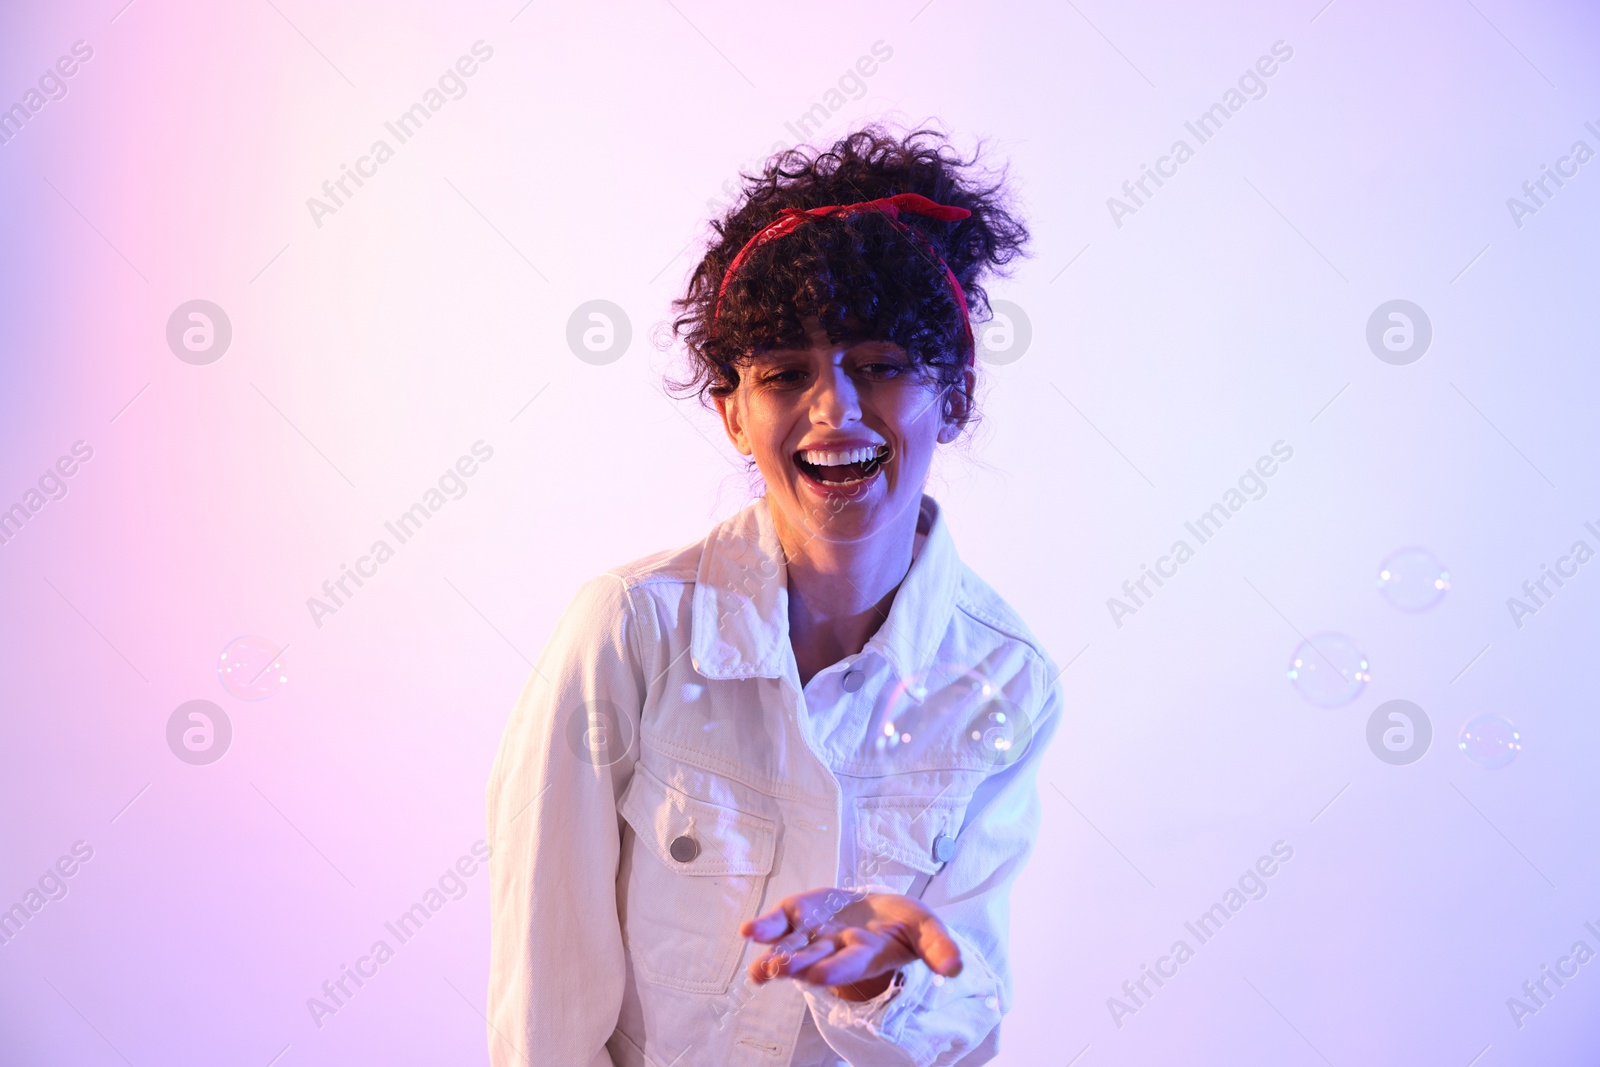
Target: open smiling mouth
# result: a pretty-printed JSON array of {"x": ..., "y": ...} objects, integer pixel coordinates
[{"x": 844, "y": 468}]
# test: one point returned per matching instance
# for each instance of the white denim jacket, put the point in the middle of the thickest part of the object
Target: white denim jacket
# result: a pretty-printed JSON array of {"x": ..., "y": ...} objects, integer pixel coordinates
[{"x": 665, "y": 777}]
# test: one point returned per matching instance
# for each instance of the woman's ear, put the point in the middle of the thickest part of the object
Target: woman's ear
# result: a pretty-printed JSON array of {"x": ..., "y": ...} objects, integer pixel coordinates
[
  {"x": 731, "y": 408},
  {"x": 958, "y": 405}
]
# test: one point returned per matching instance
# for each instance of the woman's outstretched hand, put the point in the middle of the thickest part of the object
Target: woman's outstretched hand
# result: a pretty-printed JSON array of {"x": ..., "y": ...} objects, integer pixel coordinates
[{"x": 850, "y": 942}]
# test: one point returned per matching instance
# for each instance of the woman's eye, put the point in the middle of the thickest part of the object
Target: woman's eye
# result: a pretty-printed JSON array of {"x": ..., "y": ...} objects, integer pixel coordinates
[{"x": 881, "y": 370}]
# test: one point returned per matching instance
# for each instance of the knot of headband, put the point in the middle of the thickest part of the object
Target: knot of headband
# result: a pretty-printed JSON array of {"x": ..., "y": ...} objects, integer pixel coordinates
[{"x": 891, "y": 207}]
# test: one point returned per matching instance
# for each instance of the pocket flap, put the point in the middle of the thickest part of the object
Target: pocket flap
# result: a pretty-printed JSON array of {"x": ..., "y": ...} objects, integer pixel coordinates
[
  {"x": 725, "y": 840},
  {"x": 904, "y": 829}
]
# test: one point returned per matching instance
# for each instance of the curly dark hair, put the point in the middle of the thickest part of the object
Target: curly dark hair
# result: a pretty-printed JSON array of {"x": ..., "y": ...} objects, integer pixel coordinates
[{"x": 858, "y": 275}]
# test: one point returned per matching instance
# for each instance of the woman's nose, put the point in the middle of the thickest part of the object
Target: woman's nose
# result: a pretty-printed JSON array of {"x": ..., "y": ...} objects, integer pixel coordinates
[{"x": 836, "y": 403}]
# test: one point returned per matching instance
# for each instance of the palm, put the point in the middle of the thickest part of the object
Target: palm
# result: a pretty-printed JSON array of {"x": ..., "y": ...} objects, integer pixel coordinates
[{"x": 853, "y": 944}]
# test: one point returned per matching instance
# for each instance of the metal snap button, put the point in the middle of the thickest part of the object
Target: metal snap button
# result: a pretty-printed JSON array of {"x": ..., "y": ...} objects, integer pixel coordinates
[
  {"x": 852, "y": 680},
  {"x": 944, "y": 847},
  {"x": 684, "y": 849}
]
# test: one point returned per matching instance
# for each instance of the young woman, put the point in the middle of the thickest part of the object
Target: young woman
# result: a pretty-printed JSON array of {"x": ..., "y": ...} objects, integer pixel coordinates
[{"x": 764, "y": 796}]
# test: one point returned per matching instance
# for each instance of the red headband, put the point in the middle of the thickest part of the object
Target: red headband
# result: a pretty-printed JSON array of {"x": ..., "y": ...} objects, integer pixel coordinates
[{"x": 891, "y": 207}]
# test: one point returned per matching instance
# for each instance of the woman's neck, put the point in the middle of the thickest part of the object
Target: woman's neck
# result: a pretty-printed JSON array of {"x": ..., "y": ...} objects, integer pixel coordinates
[{"x": 840, "y": 591}]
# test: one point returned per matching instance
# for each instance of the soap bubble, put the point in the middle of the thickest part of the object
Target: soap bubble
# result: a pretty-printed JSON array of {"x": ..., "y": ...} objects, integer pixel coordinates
[
  {"x": 1413, "y": 579},
  {"x": 1329, "y": 670},
  {"x": 997, "y": 731},
  {"x": 1000, "y": 732},
  {"x": 251, "y": 668},
  {"x": 1490, "y": 741}
]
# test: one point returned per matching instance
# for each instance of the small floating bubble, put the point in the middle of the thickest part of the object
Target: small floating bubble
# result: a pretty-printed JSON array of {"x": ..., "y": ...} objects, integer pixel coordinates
[
  {"x": 1490, "y": 741},
  {"x": 1329, "y": 670},
  {"x": 1413, "y": 579},
  {"x": 251, "y": 668}
]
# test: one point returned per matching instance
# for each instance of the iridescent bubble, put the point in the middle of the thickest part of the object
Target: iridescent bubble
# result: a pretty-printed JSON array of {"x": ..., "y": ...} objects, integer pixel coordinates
[
  {"x": 251, "y": 668},
  {"x": 1329, "y": 670},
  {"x": 1000, "y": 732},
  {"x": 1413, "y": 579},
  {"x": 1490, "y": 741}
]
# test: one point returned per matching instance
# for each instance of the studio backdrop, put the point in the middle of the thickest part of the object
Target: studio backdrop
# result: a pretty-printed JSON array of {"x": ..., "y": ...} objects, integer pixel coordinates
[{"x": 334, "y": 338}]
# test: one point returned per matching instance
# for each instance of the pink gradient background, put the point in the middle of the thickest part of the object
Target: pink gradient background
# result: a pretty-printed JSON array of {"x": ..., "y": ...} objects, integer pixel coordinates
[{"x": 371, "y": 351}]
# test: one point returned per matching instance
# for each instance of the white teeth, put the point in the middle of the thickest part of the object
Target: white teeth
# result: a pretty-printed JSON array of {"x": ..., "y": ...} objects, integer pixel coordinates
[{"x": 820, "y": 458}]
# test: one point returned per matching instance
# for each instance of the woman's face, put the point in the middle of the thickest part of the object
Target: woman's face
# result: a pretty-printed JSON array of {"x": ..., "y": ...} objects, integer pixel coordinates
[{"x": 842, "y": 432}]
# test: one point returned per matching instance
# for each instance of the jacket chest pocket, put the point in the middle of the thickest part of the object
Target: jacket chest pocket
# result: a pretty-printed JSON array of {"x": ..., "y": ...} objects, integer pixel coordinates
[
  {"x": 901, "y": 838},
  {"x": 694, "y": 872}
]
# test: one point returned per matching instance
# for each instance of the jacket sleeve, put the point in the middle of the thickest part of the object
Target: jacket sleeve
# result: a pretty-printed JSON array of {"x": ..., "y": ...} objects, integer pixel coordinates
[
  {"x": 924, "y": 1020},
  {"x": 556, "y": 952}
]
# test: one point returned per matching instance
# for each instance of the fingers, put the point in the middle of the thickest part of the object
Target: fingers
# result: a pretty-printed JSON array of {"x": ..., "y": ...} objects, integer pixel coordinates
[
  {"x": 778, "y": 963},
  {"x": 842, "y": 955},
  {"x": 865, "y": 954},
  {"x": 793, "y": 953},
  {"x": 769, "y": 926},
  {"x": 812, "y": 954},
  {"x": 811, "y": 941},
  {"x": 845, "y": 956},
  {"x": 936, "y": 947},
  {"x": 802, "y": 912}
]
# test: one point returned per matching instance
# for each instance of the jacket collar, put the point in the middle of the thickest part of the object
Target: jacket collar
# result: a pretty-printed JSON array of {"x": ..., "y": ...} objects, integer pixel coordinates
[{"x": 740, "y": 613}]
